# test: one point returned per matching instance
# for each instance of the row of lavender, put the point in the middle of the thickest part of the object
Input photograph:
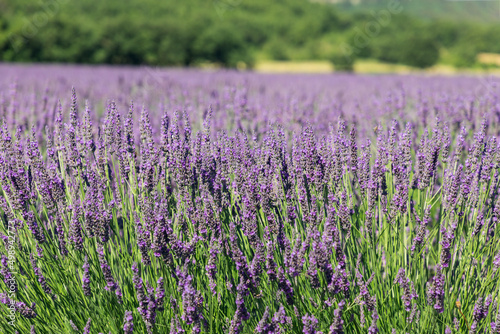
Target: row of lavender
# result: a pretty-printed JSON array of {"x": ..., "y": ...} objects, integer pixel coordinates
[
  {"x": 248, "y": 102},
  {"x": 132, "y": 222}
]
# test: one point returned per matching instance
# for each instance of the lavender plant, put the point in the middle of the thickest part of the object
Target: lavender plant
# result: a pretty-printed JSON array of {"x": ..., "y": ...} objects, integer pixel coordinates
[{"x": 318, "y": 220}]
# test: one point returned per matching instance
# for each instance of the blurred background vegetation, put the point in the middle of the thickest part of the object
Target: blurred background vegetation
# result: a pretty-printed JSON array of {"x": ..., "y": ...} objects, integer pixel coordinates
[{"x": 242, "y": 33}]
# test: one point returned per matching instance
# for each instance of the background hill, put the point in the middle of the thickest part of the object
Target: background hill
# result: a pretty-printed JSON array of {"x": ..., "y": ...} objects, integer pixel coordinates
[{"x": 475, "y": 11}]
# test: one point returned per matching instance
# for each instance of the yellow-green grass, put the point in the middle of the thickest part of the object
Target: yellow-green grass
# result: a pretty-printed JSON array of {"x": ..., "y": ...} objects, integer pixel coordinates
[
  {"x": 489, "y": 58},
  {"x": 293, "y": 66},
  {"x": 362, "y": 66}
]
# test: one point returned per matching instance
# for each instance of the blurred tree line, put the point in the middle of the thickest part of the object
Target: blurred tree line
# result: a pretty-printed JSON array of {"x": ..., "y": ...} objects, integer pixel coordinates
[{"x": 229, "y": 33}]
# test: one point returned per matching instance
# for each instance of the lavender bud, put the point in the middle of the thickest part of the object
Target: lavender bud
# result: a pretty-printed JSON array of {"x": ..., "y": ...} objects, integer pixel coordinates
[{"x": 128, "y": 323}]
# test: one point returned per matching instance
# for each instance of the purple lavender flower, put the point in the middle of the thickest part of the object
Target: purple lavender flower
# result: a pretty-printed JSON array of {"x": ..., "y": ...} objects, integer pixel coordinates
[
  {"x": 446, "y": 243},
  {"x": 128, "y": 323},
  {"x": 75, "y": 230},
  {"x": 481, "y": 309},
  {"x": 86, "y": 329},
  {"x": 365, "y": 296},
  {"x": 310, "y": 324},
  {"x": 255, "y": 268},
  {"x": 338, "y": 323},
  {"x": 264, "y": 326},
  {"x": 285, "y": 286},
  {"x": 61, "y": 236},
  {"x": 241, "y": 313},
  {"x": 8, "y": 277},
  {"x": 39, "y": 274},
  {"x": 373, "y": 329},
  {"x": 175, "y": 326},
  {"x": 419, "y": 233},
  {"x": 161, "y": 238},
  {"x": 139, "y": 288},
  {"x": 435, "y": 290},
  {"x": 339, "y": 282},
  {"x": 408, "y": 294},
  {"x": 111, "y": 284},
  {"x": 86, "y": 278},
  {"x": 160, "y": 294},
  {"x": 143, "y": 242},
  {"x": 495, "y": 326},
  {"x": 27, "y": 312},
  {"x": 211, "y": 268},
  {"x": 280, "y": 318},
  {"x": 34, "y": 227},
  {"x": 74, "y": 326},
  {"x": 192, "y": 301},
  {"x": 119, "y": 294},
  {"x": 479, "y": 225},
  {"x": 150, "y": 317}
]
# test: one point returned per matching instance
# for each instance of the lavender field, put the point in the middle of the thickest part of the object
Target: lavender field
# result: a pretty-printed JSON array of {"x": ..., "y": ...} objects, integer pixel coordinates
[{"x": 136, "y": 200}]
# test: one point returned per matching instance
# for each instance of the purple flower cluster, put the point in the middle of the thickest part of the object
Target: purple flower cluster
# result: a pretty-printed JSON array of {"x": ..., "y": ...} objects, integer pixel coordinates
[
  {"x": 39, "y": 274},
  {"x": 481, "y": 309},
  {"x": 275, "y": 324},
  {"x": 337, "y": 326},
  {"x": 192, "y": 302},
  {"x": 150, "y": 300},
  {"x": 310, "y": 325},
  {"x": 230, "y": 202},
  {"x": 111, "y": 284},
  {"x": 24, "y": 310},
  {"x": 408, "y": 292},
  {"x": 86, "y": 278},
  {"x": 435, "y": 290},
  {"x": 128, "y": 323}
]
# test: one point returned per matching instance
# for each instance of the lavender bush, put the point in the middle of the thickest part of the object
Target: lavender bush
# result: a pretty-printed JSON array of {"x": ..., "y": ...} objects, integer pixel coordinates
[{"x": 238, "y": 203}]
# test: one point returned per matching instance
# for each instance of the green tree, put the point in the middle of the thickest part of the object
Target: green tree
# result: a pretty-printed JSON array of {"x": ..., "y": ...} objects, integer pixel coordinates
[
  {"x": 420, "y": 51},
  {"x": 223, "y": 45},
  {"x": 342, "y": 62}
]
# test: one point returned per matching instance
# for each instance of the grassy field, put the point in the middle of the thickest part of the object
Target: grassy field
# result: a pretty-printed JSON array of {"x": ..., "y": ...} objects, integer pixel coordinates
[{"x": 364, "y": 66}]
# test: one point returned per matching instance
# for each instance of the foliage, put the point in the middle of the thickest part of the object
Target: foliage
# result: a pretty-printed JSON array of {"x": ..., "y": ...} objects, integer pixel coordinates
[
  {"x": 343, "y": 62},
  {"x": 225, "y": 32},
  {"x": 420, "y": 51}
]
